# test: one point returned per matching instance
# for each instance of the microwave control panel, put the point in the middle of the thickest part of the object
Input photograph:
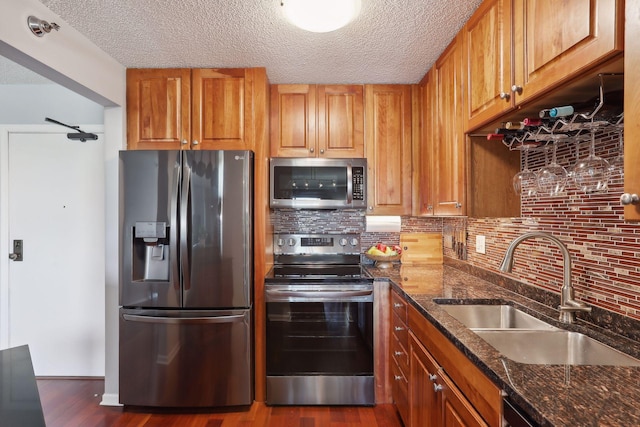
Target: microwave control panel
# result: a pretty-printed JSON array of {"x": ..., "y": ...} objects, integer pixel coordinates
[{"x": 358, "y": 182}]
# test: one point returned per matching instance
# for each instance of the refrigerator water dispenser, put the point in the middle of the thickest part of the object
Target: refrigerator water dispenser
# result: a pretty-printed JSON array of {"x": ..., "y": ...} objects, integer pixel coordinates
[{"x": 150, "y": 251}]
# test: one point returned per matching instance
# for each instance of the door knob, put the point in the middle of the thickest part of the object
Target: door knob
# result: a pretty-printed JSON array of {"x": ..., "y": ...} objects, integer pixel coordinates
[{"x": 16, "y": 255}]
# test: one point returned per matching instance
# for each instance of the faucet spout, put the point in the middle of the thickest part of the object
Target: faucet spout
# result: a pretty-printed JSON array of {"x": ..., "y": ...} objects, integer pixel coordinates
[{"x": 568, "y": 305}]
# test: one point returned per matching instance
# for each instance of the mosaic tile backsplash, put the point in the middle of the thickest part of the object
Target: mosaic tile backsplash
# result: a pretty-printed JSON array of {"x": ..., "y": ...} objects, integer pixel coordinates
[{"x": 605, "y": 249}]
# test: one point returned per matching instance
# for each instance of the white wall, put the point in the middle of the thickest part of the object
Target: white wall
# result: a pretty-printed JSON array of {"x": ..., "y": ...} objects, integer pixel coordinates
[
  {"x": 31, "y": 103},
  {"x": 68, "y": 58}
]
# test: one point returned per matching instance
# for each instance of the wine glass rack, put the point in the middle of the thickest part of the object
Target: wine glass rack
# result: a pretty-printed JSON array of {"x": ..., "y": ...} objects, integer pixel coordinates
[{"x": 575, "y": 128}]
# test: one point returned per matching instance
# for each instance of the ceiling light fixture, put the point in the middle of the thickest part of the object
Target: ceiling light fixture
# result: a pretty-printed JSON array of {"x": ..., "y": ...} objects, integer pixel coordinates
[
  {"x": 39, "y": 26},
  {"x": 320, "y": 16}
]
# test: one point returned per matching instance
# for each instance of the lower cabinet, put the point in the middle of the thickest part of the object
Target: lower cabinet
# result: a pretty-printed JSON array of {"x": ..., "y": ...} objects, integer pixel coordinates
[
  {"x": 434, "y": 399},
  {"x": 440, "y": 386}
]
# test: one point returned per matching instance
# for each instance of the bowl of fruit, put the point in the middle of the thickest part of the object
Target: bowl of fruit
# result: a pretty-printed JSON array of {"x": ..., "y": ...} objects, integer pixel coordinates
[{"x": 383, "y": 255}]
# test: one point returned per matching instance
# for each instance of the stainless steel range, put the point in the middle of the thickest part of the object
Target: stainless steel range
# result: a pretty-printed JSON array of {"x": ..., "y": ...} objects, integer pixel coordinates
[{"x": 319, "y": 322}]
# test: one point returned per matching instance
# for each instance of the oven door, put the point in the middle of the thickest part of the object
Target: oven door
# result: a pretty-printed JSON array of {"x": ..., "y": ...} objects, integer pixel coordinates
[{"x": 320, "y": 345}]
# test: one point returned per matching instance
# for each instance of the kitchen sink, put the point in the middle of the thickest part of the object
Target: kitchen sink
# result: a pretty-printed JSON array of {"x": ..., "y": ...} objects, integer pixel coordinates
[
  {"x": 557, "y": 347},
  {"x": 526, "y": 339},
  {"x": 482, "y": 316}
]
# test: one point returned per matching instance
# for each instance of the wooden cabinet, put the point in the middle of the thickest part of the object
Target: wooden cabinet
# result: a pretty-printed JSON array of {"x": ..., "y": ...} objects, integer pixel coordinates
[
  {"x": 433, "y": 383},
  {"x": 400, "y": 357},
  {"x": 190, "y": 109},
  {"x": 486, "y": 40},
  {"x": 517, "y": 51},
  {"x": 424, "y": 140},
  {"x": 632, "y": 109},
  {"x": 388, "y": 133},
  {"x": 435, "y": 400},
  {"x": 556, "y": 41},
  {"x": 448, "y": 161},
  {"x": 317, "y": 121},
  {"x": 462, "y": 394}
]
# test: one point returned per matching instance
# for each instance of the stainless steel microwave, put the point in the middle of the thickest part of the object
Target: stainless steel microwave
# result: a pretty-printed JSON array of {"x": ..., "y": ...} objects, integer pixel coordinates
[{"x": 311, "y": 183}]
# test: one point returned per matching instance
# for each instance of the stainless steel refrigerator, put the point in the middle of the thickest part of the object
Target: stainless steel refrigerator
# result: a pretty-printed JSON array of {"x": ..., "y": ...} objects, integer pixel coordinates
[{"x": 186, "y": 247}]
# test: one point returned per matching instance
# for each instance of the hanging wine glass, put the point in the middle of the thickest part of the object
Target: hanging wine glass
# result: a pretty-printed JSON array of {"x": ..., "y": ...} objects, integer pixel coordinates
[
  {"x": 616, "y": 165},
  {"x": 591, "y": 174},
  {"x": 524, "y": 182},
  {"x": 552, "y": 179}
]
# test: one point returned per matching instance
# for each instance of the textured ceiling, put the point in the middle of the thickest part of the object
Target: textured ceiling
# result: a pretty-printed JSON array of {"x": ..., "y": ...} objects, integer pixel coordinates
[{"x": 392, "y": 41}]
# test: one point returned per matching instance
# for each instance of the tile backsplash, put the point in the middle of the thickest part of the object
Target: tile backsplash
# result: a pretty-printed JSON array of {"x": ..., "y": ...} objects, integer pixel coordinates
[{"x": 605, "y": 249}]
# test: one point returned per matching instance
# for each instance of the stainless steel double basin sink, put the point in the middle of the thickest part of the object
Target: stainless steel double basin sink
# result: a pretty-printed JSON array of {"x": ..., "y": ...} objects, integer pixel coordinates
[{"x": 527, "y": 339}]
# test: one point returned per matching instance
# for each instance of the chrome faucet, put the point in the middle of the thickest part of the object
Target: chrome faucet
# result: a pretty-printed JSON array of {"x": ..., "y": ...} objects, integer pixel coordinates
[{"x": 568, "y": 305}]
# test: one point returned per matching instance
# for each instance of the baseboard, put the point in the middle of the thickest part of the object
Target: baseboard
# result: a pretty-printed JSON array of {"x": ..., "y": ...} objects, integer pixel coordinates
[{"x": 110, "y": 399}]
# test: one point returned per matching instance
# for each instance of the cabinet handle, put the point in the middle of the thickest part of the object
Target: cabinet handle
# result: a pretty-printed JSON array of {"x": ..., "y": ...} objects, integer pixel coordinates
[
  {"x": 397, "y": 377},
  {"x": 433, "y": 377},
  {"x": 195, "y": 142},
  {"x": 370, "y": 208},
  {"x": 184, "y": 142},
  {"x": 397, "y": 305},
  {"x": 437, "y": 387},
  {"x": 398, "y": 353},
  {"x": 399, "y": 328},
  {"x": 505, "y": 95},
  {"x": 322, "y": 151},
  {"x": 629, "y": 199},
  {"x": 312, "y": 149},
  {"x": 516, "y": 89}
]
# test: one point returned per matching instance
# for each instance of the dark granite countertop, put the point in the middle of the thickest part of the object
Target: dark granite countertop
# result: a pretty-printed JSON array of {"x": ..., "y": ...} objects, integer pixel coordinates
[
  {"x": 19, "y": 398},
  {"x": 553, "y": 395}
]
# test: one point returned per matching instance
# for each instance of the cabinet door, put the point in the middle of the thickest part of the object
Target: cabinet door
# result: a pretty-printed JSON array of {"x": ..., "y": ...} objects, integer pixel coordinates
[
  {"x": 556, "y": 40},
  {"x": 449, "y": 151},
  {"x": 487, "y": 62},
  {"x": 158, "y": 109},
  {"x": 340, "y": 121},
  {"x": 293, "y": 121},
  {"x": 456, "y": 409},
  {"x": 424, "y": 400},
  {"x": 222, "y": 109},
  {"x": 632, "y": 109},
  {"x": 423, "y": 146},
  {"x": 388, "y": 135}
]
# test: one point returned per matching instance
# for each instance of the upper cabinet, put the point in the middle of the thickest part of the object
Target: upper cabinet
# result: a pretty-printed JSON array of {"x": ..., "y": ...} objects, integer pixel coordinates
[
  {"x": 632, "y": 110},
  {"x": 487, "y": 55},
  {"x": 448, "y": 160},
  {"x": 517, "y": 51},
  {"x": 190, "y": 109},
  {"x": 388, "y": 134},
  {"x": 424, "y": 142},
  {"x": 317, "y": 121}
]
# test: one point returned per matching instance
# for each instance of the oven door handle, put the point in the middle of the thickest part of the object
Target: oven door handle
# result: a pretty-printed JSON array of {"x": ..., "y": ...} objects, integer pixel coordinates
[{"x": 281, "y": 294}]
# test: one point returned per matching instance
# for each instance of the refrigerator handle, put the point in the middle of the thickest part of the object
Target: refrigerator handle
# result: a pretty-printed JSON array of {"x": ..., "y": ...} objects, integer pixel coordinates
[
  {"x": 184, "y": 226},
  {"x": 236, "y": 318},
  {"x": 173, "y": 242}
]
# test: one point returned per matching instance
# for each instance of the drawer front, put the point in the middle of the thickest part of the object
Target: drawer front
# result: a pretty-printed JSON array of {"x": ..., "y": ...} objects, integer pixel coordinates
[
  {"x": 400, "y": 390},
  {"x": 400, "y": 330},
  {"x": 400, "y": 354},
  {"x": 399, "y": 306}
]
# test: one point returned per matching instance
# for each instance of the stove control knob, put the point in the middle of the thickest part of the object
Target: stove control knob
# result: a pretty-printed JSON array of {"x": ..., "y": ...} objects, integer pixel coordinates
[
  {"x": 353, "y": 241},
  {"x": 291, "y": 242},
  {"x": 280, "y": 242},
  {"x": 343, "y": 242}
]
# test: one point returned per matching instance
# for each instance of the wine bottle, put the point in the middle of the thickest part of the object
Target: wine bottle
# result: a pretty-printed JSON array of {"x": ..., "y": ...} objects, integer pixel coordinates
[{"x": 564, "y": 111}]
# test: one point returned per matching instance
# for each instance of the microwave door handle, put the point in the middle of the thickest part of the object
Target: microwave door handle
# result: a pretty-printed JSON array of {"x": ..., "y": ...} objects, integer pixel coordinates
[
  {"x": 349, "y": 185},
  {"x": 184, "y": 225}
]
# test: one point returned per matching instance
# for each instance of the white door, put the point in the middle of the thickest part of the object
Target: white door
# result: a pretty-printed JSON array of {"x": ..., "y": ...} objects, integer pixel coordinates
[{"x": 54, "y": 194}]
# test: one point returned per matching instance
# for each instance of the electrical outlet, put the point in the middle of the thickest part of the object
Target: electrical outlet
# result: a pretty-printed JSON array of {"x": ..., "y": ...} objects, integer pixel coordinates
[{"x": 480, "y": 245}]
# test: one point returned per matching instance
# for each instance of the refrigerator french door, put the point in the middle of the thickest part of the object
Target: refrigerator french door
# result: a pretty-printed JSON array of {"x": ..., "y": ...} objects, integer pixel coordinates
[{"x": 186, "y": 278}]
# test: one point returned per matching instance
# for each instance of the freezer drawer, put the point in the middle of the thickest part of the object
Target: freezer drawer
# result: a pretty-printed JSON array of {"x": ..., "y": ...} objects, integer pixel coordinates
[{"x": 183, "y": 358}]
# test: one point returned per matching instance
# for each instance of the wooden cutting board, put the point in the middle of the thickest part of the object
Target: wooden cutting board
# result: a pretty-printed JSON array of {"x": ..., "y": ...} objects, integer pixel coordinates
[{"x": 421, "y": 248}]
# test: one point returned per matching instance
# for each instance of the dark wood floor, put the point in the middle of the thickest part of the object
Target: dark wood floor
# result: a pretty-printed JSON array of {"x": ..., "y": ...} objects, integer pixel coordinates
[{"x": 76, "y": 403}]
